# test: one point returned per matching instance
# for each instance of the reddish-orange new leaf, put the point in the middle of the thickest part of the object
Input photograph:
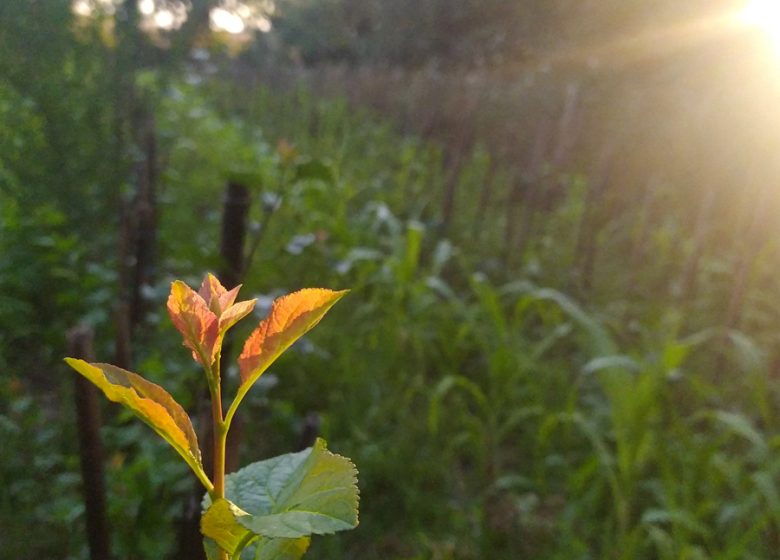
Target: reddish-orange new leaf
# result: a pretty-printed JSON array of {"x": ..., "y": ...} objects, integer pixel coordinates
[
  {"x": 195, "y": 321},
  {"x": 215, "y": 295},
  {"x": 290, "y": 318},
  {"x": 203, "y": 317},
  {"x": 221, "y": 302}
]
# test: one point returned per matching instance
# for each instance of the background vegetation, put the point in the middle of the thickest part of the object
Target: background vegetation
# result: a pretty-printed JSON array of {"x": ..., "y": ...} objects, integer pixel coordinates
[{"x": 556, "y": 220}]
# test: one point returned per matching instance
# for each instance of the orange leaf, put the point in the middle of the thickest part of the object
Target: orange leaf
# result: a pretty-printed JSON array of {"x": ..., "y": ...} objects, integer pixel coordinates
[
  {"x": 290, "y": 318},
  {"x": 195, "y": 321},
  {"x": 152, "y": 404},
  {"x": 221, "y": 302},
  {"x": 234, "y": 314},
  {"x": 217, "y": 298}
]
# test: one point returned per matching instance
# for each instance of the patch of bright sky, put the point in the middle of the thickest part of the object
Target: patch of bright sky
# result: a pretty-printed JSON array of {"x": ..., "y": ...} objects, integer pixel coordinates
[
  {"x": 764, "y": 15},
  {"x": 88, "y": 7},
  {"x": 232, "y": 16},
  {"x": 146, "y": 7},
  {"x": 224, "y": 20},
  {"x": 164, "y": 19},
  {"x": 236, "y": 17}
]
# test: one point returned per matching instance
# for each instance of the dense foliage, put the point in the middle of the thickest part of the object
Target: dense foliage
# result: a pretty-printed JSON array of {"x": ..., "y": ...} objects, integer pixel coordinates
[{"x": 591, "y": 378}]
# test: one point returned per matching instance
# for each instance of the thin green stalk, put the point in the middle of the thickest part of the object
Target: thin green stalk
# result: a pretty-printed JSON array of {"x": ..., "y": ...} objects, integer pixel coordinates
[
  {"x": 243, "y": 390},
  {"x": 220, "y": 439},
  {"x": 220, "y": 435}
]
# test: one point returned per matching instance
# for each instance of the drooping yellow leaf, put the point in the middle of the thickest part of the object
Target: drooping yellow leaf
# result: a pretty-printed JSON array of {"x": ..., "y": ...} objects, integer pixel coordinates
[
  {"x": 152, "y": 404},
  {"x": 195, "y": 321},
  {"x": 290, "y": 318}
]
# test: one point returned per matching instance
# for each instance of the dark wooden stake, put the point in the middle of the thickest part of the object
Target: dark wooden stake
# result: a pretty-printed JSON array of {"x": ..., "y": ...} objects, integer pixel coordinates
[
  {"x": 123, "y": 356},
  {"x": 235, "y": 215},
  {"x": 235, "y": 218},
  {"x": 145, "y": 222},
  {"x": 90, "y": 448}
]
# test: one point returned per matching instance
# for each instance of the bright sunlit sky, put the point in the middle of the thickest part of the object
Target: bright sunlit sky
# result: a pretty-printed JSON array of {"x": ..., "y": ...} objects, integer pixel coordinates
[
  {"x": 231, "y": 16},
  {"x": 239, "y": 17},
  {"x": 764, "y": 15}
]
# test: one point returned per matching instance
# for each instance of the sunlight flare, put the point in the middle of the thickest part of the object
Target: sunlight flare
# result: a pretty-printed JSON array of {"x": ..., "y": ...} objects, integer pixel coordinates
[
  {"x": 225, "y": 20},
  {"x": 147, "y": 7},
  {"x": 164, "y": 19},
  {"x": 764, "y": 15}
]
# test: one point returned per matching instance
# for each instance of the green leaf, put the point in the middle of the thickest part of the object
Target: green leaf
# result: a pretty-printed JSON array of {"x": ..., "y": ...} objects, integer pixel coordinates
[
  {"x": 152, "y": 404},
  {"x": 282, "y": 549},
  {"x": 211, "y": 549},
  {"x": 241, "y": 543},
  {"x": 285, "y": 498}
]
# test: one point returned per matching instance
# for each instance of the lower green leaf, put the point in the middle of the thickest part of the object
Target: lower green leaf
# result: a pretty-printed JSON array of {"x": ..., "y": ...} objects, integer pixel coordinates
[
  {"x": 281, "y": 549},
  {"x": 281, "y": 501}
]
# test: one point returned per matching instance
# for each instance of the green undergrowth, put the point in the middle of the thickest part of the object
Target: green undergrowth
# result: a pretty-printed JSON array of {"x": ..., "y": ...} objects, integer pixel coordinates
[{"x": 493, "y": 408}]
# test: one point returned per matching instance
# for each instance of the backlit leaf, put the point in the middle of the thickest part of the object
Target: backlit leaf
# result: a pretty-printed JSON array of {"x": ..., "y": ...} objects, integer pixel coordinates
[
  {"x": 152, "y": 404},
  {"x": 281, "y": 549},
  {"x": 203, "y": 317},
  {"x": 285, "y": 499},
  {"x": 195, "y": 321},
  {"x": 220, "y": 523},
  {"x": 215, "y": 295},
  {"x": 234, "y": 314},
  {"x": 290, "y": 318}
]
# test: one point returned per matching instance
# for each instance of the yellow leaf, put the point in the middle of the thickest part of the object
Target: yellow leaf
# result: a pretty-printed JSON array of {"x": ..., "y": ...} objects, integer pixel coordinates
[
  {"x": 219, "y": 523},
  {"x": 152, "y": 404}
]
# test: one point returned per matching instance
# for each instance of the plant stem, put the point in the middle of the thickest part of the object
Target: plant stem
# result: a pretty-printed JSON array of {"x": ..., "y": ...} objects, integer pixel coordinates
[
  {"x": 220, "y": 436},
  {"x": 220, "y": 439}
]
